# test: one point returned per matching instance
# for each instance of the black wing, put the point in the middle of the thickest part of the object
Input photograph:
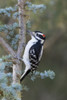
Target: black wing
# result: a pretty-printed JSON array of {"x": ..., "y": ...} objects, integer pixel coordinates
[{"x": 34, "y": 54}]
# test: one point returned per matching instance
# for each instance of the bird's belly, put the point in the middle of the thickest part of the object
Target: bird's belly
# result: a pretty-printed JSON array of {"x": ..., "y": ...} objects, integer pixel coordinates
[{"x": 26, "y": 53}]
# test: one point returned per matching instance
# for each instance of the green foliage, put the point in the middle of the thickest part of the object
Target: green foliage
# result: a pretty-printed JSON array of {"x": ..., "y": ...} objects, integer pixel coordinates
[
  {"x": 35, "y": 7},
  {"x": 11, "y": 36},
  {"x": 15, "y": 15},
  {"x": 8, "y": 28},
  {"x": 9, "y": 89},
  {"x": 7, "y": 11},
  {"x": 43, "y": 75}
]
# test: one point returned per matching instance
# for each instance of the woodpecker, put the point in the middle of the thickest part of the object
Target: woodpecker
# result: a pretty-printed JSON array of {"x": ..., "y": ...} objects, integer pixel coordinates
[{"x": 33, "y": 52}]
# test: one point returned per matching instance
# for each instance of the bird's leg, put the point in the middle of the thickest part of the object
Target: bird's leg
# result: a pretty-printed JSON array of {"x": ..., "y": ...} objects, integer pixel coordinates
[{"x": 16, "y": 57}]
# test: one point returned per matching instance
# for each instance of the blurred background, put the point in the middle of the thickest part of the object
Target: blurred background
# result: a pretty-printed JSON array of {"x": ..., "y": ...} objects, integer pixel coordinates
[{"x": 53, "y": 22}]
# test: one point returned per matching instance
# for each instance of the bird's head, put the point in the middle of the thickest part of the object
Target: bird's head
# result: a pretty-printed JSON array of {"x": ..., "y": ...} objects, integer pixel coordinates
[{"x": 38, "y": 36}]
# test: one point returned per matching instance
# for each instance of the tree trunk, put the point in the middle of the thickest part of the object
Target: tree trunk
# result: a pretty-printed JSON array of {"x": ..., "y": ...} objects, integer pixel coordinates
[
  {"x": 17, "y": 73},
  {"x": 22, "y": 30},
  {"x": 17, "y": 68},
  {"x": 16, "y": 77}
]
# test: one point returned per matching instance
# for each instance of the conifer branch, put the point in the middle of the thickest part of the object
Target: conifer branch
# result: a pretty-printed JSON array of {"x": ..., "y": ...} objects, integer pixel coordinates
[{"x": 7, "y": 47}]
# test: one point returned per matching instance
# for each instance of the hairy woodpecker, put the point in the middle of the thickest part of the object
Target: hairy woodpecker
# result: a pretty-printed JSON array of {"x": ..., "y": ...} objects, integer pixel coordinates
[{"x": 33, "y": 52}]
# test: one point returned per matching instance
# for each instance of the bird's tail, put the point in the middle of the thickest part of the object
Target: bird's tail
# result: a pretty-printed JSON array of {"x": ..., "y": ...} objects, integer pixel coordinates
[{"x": 25, "y": 74}]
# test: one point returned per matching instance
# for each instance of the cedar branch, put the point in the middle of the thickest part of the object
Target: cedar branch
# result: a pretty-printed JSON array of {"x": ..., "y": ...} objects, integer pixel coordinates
[{"x": 6, "y": 46}]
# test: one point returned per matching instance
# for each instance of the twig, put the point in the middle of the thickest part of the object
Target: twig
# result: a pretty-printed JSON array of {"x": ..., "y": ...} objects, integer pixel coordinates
[{"x": 7, "y": 47}]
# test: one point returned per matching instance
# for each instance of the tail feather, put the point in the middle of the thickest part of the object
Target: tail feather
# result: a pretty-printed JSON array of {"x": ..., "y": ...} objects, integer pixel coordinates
[{"x": 25, "y": 74}]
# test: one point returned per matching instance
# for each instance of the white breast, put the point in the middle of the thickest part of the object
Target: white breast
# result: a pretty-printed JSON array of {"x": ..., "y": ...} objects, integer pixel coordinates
[{"x": 26, "y": 52}]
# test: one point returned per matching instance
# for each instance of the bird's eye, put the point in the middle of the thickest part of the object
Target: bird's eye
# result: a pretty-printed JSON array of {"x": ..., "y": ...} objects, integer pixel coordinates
[{"x": 37, "y": 34}]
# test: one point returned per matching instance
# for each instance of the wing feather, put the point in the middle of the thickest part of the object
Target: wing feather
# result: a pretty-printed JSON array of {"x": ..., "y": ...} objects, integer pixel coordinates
[{"x": 35, "y": 54}]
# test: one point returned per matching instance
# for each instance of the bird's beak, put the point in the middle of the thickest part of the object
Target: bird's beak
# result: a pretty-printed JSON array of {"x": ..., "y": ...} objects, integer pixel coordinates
[{"x": 31, "y": 33}]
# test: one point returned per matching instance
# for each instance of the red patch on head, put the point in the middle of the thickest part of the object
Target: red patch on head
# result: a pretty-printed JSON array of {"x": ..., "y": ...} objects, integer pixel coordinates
[{"x": 43, "y": 35}]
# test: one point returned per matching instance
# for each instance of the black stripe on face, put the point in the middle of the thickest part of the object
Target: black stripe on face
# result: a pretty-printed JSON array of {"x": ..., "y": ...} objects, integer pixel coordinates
[{"x": 40, "y": 36}]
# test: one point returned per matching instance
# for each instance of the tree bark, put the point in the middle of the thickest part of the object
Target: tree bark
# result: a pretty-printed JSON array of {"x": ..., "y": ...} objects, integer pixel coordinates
[
  {"x": 22, "y": 30},
  {"x": 17, "y": 72},
  {"x": 17, "y": 68},
  {"x": 16, "y": 77}
]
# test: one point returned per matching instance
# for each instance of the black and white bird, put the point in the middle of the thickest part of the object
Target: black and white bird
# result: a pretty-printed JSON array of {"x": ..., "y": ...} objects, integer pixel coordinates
[{"x": 33, "y": 52}]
